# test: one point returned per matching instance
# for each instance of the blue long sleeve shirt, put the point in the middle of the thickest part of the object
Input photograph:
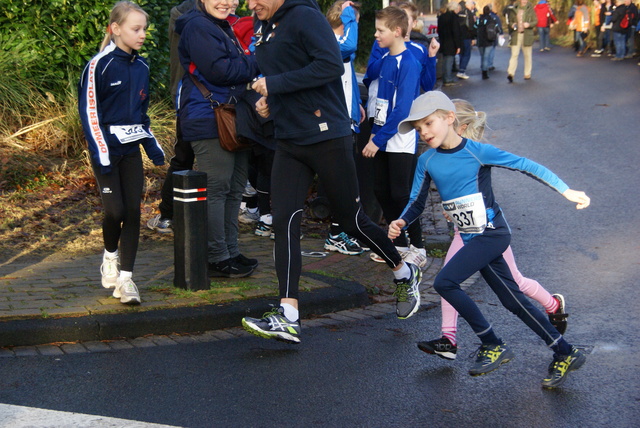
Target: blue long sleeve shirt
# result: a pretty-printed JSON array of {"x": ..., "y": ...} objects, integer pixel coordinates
[{"x": 464, "y": 171}]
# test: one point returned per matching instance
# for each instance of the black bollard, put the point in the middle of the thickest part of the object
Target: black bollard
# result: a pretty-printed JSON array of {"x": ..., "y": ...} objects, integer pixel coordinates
[{"x": 190, "y": 230}]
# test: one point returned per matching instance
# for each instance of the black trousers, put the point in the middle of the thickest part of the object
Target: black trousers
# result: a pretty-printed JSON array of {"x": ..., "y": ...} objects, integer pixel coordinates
[
  {"x": 182, "y": 160},
  {"x": 393, "y": 180},
  {"x": 121, "y": 192},
  {"x": 294, "y": 168}
]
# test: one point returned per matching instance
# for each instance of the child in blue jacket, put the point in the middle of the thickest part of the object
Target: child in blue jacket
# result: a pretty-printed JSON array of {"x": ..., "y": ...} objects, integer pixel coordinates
[{"x": 113, "y": 97}]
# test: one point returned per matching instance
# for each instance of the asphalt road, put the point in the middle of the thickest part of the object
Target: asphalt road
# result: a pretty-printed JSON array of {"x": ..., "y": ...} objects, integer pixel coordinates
[{"x": 579, "y": 117}]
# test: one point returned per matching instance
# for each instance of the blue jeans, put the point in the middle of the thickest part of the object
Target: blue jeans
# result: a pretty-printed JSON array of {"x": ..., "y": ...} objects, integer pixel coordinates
[
  {"x": 485, "y": 51},
  {"x": 226, "y": 178},
  {"x": 465, "y": 55},
  {"x": 580, "y": 40},
  {"x": 631, "y": 40},
  {"x": 492, "y": 53},
  {"x": 606, "y": 39},
  {"x": 545, "y": 41},
  {"x": 448, "y": 66},
  {"x": 620, "y": 42}
]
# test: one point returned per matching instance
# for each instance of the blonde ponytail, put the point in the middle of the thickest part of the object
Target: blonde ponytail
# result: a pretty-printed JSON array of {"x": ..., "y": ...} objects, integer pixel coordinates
[{"x": 475, "y": 121}]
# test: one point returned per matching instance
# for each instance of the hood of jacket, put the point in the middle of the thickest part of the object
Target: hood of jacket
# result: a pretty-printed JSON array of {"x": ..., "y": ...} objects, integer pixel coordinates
[
  {"x": 288, "y": 4},
  {"x": 288, "y": 66}
]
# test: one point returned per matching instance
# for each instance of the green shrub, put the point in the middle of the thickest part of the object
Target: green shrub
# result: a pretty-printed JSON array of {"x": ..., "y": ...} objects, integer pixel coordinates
[{"x": 64, "y": 34}]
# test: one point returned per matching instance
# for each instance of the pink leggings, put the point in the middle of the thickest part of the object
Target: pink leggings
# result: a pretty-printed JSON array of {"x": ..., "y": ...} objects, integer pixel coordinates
[{"x": 529, "y": 287}]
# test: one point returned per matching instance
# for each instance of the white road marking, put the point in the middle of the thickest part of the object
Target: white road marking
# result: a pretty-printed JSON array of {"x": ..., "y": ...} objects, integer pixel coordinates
[{"x": 30, "y": 417}]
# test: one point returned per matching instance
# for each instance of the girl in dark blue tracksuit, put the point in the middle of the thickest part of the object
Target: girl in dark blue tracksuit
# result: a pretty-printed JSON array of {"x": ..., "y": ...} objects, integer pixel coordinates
[
  {"x": 113, "y": 97},
  {"x": 461, "y": 169}
]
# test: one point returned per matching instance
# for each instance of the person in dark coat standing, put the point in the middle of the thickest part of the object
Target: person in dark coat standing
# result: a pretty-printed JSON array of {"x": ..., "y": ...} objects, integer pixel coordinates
[
  {"x": 450, "y": 38},
  {"x": 484, "y": 44}
]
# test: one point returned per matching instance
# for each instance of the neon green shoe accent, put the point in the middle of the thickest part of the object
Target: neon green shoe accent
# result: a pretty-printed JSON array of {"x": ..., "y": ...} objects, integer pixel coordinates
[
  {"x": 561, "y": 366},
  {"x": 490, "y": 358}
]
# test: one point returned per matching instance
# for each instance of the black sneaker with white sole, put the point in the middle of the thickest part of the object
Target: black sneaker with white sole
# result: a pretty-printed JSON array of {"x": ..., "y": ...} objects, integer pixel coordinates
[
  {"x": 273, "y": 325},
  {"x": 342, "y": 243},
  {"x": 559, "y": 318},
  {"x": 442, "y": 347},
  {"x": 245, "y": 261},
  {"x": 229, "y": 268}
]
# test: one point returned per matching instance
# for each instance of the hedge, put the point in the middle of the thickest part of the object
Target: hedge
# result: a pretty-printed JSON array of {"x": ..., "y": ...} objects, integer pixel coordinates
[
  {"x": 65, "y": 34},
  {"x": 62, "y": 35}
]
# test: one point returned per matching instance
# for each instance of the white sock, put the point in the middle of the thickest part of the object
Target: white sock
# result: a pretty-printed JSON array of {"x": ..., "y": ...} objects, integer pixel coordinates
[
  {"x": 108, "y": 255},
  {"x": 290, "y": 312},
  {"x": 266, "y": 219},
  {"x": 403, "y": 272},
  {"x": 252, "y": 210},
  {"x": 125, "y": 274}
]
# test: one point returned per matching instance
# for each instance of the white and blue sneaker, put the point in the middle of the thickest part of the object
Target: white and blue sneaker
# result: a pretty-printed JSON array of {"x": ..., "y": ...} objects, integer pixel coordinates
[
  {"x": 160, "y": 224},
  {"x": 263, "y": 229},
  {"x": 343, "y": 244}
]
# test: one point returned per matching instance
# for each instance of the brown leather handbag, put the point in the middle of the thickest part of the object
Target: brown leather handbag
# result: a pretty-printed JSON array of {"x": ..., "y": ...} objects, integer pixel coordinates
[{"x": 225, "y": 114}]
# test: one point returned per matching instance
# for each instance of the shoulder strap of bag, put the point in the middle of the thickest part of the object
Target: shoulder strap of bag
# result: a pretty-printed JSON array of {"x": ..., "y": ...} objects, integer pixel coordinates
[{"x": 204, "y": 91}]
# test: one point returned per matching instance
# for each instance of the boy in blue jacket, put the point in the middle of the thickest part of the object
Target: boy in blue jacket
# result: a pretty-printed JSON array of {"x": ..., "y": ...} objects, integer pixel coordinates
[{"x": 398, "y": 76}]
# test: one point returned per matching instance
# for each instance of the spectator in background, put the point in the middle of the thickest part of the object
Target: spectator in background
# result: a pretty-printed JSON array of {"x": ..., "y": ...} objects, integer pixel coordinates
[
  {"x": 632, "y": 12},
  {"x": 581, "y": 25},
  {"x": 604, "y": 38},
  {"x": 596, "y": 23},
  {"x": 492, "y": 49},
  {"x": 546, "y": 20},
  {"x": 467, "y": 20},
  {"x": 485, "y": 25},
  {"x": 522, "y": 20},
  {"x": 343, "y": 16},
  {"x": 417, "y": 35},
  {"x": 183, "y": 156},
  {"x": 450, "y": 38},
  {"x": 395, "y": 158},
  {"x": 622, "y": 18}
]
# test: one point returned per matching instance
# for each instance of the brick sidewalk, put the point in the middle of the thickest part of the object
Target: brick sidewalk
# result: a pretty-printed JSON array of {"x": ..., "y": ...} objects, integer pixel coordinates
[{"x": 62, "y": 287}]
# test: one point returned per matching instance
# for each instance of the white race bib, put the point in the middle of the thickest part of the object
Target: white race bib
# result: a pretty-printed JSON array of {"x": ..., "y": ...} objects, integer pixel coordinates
[
  {"x": 468, "y": 213},
  {"x": 129, "y": 133},
  {"x": 380, "y": 117}
]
